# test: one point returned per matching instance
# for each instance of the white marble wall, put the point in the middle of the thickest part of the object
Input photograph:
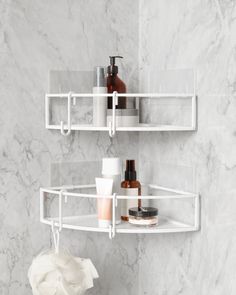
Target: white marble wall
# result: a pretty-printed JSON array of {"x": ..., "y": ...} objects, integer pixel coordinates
[
  {"x": 37, "y": 37},
  {"x": 43, "y": 36},
  {"x": 196, "y": 34}
]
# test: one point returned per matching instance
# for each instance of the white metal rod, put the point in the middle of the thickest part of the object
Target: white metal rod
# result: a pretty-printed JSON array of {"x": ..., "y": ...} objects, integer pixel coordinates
[
  {"x": 156, "y": 231},
  {"x": 197, "y": 213},
  {"x": 176, "y": 227},
  {"x": 72, "y": 187},
  {"x": 86, "y": 195},
  {"x": 47, "y": 107},
  {"x": 120, "y": 197},
  {"x": 139, "y": 127},
  {"x": 76, "y": 227},
  {"x": 194, "y": 112},
  {"x": 50, "y": 191},
  {"x": 151, "y": 197},
  {"x": 42, "y": 207},
  {"x": 181, "y": 228},
  {"x": 114, "y": 215},
  {"x": 171, "y": 190},
  {"x": 180, "y": 195},
  {"x": 114, "y": 104},
  {"x": 194, "y": 82},
  {"x": 68, "y": 117},
  {"x": 60, "y": 210},
  {"x": 153, "y": 95}
]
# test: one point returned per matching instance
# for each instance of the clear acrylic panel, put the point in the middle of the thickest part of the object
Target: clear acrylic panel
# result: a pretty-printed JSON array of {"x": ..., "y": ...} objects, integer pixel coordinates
[{"x": 78, "y": 82}]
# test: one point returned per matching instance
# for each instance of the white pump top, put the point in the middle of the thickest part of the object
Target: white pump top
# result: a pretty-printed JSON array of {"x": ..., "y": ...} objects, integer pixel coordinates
[{"x": 111, "y": 166}]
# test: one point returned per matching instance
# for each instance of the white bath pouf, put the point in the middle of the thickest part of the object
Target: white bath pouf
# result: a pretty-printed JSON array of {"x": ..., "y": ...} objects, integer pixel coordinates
[{"x": 61, "y": 274}]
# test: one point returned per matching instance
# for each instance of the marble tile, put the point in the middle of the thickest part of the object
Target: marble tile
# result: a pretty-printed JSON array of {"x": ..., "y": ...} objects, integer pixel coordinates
[
  {"x": 65, "y": 37},
  {"x": 198, "y": 35},
  {"x": 36, "y": 38}
]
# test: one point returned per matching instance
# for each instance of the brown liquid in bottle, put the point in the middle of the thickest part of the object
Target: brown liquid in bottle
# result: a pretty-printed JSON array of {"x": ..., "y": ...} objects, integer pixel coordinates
[
  {"x": 114, "y": 83},
  {"x": 130, "y": 182}
]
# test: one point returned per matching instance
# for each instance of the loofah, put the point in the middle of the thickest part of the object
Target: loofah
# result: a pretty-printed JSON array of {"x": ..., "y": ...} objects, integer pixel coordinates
[{"x": 61, "y": 274}]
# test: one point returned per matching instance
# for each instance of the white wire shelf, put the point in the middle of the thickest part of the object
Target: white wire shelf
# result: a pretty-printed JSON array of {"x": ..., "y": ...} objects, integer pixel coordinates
[
  {"x": 140, "y": 127},
  {"x": 89, "y": 222},
  {"x": 71, "y": 97}
]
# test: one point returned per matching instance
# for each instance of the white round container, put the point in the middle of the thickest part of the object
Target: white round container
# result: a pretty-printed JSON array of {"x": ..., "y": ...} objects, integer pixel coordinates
[
  {"x": 99, "y": 107},
  {"x": 124, "y": 117},
  {"x": 99, "y": 102}
]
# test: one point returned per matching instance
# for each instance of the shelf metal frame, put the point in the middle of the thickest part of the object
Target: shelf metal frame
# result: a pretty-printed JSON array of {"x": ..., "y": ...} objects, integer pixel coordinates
[
  {"x": 72, "y": 98},
  {"x": 62, "y": 193}
]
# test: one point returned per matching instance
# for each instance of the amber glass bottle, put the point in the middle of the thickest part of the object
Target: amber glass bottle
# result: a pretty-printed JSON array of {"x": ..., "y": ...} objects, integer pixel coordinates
[
  {"x": 130, "y": 187},
  {"x": 114, "y": 83}
]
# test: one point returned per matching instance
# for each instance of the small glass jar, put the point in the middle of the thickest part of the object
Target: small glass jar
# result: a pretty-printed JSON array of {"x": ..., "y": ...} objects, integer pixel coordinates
[{"x": 144, "y": 216}]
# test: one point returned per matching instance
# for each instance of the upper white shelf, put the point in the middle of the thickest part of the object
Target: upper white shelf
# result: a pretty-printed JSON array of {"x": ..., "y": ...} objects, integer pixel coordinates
[
  {"x": 168, "y": 223},
  {"x": 67, "y": 127},
  {"x": 140, "y": 127}
]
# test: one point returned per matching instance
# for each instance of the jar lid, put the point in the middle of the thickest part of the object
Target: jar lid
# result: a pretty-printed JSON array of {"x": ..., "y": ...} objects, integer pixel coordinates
[{"x": 143, "y": 212}]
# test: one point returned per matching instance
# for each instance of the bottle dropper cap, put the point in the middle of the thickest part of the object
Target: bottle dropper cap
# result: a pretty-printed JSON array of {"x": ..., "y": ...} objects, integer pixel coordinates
[
  {"x": 99, "y": 77},
  {"x": 130, "y": 173}
]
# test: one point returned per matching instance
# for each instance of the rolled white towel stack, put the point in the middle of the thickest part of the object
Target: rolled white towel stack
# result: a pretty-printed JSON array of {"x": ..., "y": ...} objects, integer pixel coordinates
[{"x": 61, "y": 274}]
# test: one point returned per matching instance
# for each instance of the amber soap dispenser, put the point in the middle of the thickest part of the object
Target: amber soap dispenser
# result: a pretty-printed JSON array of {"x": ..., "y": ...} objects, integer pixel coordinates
[
  {"x": 114, "y": 83},
  {"x": 130, "y": 187}
]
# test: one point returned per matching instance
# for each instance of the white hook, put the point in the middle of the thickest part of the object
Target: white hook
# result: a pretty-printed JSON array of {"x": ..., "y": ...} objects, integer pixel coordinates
[
  {"x": 65, "y": 196},
  {"x": 68, "y": 116},
  {"x": 114, "y": 204},
  {"x": 112, "y": 125},
  {"x": 56, "y": 232},
  {"x": 112, "y": 227},
  {"x": 110, "y": 232},
  {"x": 111, "y": 134},
  {"x": 56, "y": 237},
  {"x": 62, "y": 130},
  {"x": 60, "y": 209}
]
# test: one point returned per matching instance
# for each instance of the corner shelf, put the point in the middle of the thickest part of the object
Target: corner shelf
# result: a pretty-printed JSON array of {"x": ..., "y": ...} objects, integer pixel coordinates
[
  {"x": 89, "y": 222},
  {"x": 66, "y": 128}
]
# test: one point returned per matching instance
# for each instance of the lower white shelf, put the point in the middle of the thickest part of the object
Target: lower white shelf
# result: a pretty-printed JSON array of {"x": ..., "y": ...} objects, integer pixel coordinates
[
  {"x": 90, "y": 223},
  {"x": 168, "y": 222}
]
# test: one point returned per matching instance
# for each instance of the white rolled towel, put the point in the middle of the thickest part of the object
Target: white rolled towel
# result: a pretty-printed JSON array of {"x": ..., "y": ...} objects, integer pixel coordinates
[{"x": 61, "y": 274}]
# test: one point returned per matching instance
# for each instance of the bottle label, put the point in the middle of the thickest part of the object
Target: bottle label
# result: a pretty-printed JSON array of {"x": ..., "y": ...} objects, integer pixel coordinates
[{"x": 127, "y": 204}]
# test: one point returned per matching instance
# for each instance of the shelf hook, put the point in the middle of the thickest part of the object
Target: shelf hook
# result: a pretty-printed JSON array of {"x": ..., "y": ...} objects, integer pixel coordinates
[
  {"x": 111, "y": 130},
  {"x": 56, "y": 232},
  {"x": 56, "y": 237},
  {"x": 114, "y": 204},
  {"x": 68, "y": 132},
  {"x": 110, "y": 232},
  {"x": 60, "y": 209},
  {"x": 112, "y": 125}
]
